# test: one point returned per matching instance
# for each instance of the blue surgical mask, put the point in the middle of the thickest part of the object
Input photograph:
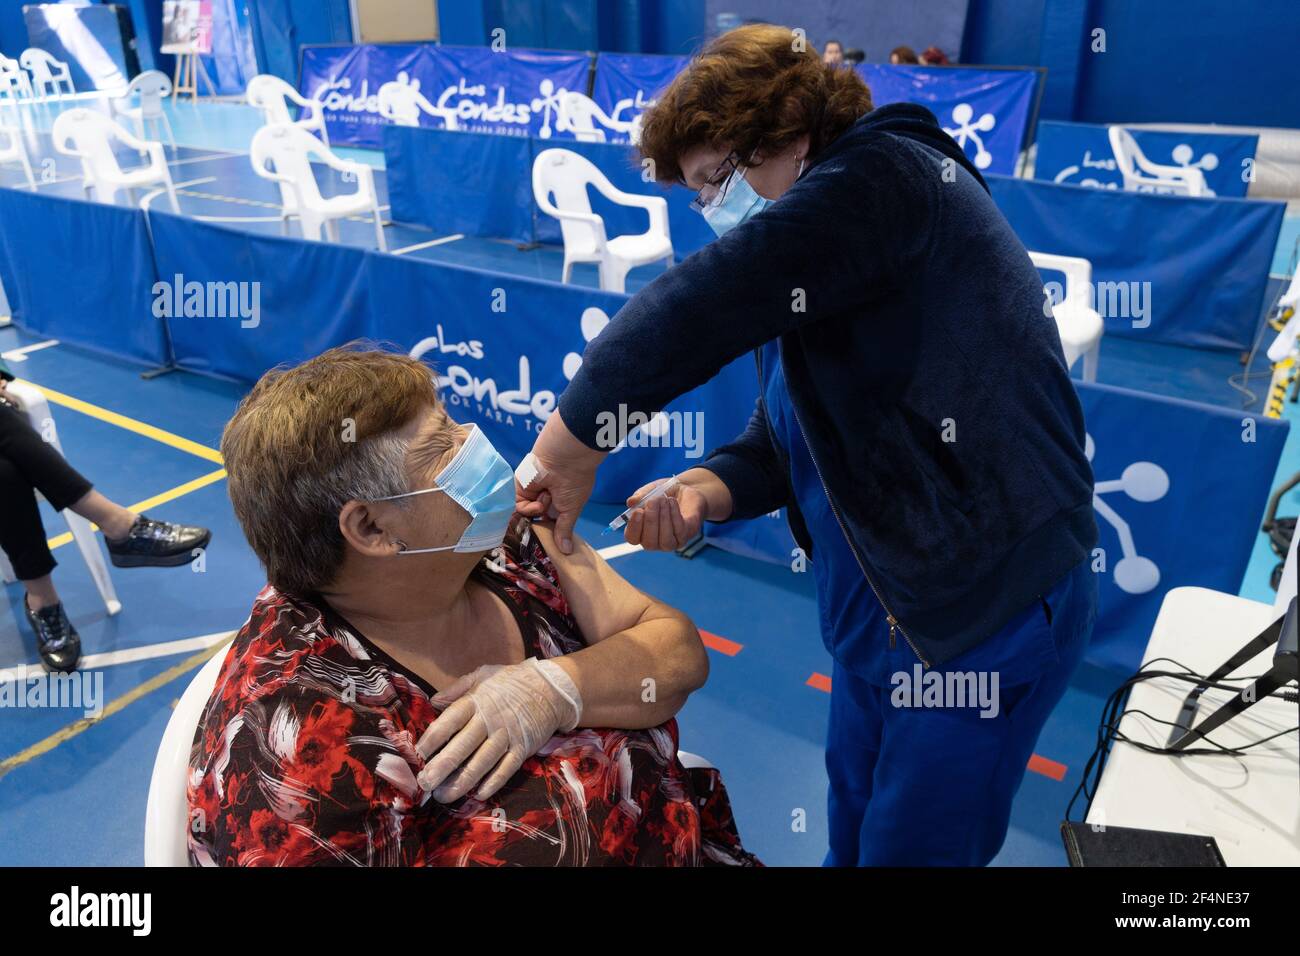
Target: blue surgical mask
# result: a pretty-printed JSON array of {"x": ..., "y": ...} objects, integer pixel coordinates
[
  {"x": 737, "y": 202},
  {"x": 480, "y": 481}
]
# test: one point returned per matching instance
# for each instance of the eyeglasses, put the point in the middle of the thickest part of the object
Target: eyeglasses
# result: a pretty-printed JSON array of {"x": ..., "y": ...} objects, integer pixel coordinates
[{"x": 714, "y": 188}]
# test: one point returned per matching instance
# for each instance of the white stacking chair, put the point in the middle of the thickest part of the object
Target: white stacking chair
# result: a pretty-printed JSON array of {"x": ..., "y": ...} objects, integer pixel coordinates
[
  {"x": 89, "y": 136},
  {"x": 1078, "y": 323},
  {"x": 1142, "y": 175},
  {"x": 37, "y": 410},
  {"x": 16, "y": 151},
  {"x": 282, "y": 153},
  {"x": 151, "y": 87},
  {"x": 579, "y": 114},
  {"x": 565, "y": 175},
  {"x": 46, "y": 72},
  {"x": 14, "y": 81},
  {"x": 272, "y": 96},
  {"x": 167, "y": 811}
]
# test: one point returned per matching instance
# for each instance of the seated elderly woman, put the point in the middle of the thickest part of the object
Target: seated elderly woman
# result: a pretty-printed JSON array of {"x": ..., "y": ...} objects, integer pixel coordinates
[{"x": 425, "y": 680}]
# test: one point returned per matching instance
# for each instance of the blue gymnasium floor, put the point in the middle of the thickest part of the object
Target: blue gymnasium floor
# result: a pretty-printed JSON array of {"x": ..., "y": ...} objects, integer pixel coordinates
[{"x": 75, "y": 794}]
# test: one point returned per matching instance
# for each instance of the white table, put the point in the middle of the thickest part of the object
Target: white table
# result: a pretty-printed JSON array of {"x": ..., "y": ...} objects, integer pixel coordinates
[{"x": 1249, "y": 804}]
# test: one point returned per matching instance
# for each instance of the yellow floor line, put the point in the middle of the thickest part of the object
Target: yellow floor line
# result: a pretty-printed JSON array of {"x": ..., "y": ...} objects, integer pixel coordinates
[
  {"x": 130, "y": 424},
  {"x": 130, "y": 697},
  {"x": 202, "y": 482}
]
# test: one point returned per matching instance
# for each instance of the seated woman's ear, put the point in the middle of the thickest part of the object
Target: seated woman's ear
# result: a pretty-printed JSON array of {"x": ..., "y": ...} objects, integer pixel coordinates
[{"x": 370, "y": 528}]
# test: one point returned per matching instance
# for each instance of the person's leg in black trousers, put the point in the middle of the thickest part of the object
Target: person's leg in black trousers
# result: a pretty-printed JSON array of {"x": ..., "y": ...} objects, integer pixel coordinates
[{"x": 28, "y": 463}]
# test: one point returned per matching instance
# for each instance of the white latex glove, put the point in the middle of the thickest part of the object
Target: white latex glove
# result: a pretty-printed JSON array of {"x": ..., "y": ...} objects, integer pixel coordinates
[{"x": 496, "y": 717}]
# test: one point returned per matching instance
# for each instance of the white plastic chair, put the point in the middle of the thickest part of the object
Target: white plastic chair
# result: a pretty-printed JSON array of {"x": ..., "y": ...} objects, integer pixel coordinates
[
  {"x": 90, "y": 135},
  {"x": 16, "y": 83},
  {"x": 167, "y": 812},
  {"x": 37, "y": 410},
  {"x": 1078, "y": 323},
  {"x": 1142, "y": 175},
  {"x": 46, "y": 71},
  {"x": 151, "y": 87},
  {"x": 283, "y": 152},
  {"x": 16, "y": 151},
  {"x": 579, "y": 114},
  {"x": 270, "y": 93},
  {"x": 566, "y": 175}
]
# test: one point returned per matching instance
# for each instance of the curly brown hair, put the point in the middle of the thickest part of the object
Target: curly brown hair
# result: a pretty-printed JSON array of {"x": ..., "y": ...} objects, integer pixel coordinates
[{"x": 755, "y": 88}]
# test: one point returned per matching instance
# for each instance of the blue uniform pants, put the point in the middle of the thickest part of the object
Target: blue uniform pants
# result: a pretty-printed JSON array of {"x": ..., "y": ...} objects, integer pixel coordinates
[{"x": 932, "y": 786}]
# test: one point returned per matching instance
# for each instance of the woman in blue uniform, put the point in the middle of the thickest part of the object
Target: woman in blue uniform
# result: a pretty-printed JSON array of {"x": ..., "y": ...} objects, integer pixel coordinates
[{"x": 915, "y": 416}]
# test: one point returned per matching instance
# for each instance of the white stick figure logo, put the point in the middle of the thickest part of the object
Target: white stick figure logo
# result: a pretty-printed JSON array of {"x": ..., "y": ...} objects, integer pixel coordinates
[
  {"x": 548, "y": 103},
  {"x": 1183, "y": 154},
  {"x": 968, "y": 131},
  {"x": 593, "y": 323},
  {"x": 1142, "y": 481}
]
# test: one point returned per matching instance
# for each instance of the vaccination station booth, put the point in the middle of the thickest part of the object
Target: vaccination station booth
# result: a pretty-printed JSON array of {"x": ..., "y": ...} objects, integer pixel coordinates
[{"x": 194, "y": 193}]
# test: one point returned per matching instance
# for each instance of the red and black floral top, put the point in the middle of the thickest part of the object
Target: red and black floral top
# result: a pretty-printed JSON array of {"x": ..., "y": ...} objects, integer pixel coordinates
[{"x": 306, "y": 755}]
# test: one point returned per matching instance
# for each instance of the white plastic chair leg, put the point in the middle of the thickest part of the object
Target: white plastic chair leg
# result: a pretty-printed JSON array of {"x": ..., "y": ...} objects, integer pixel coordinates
[
  {"x": 88, "y": 545},
  {"x": 7, "y": 575},
  {"x": 332, "y": 229},
  {"x": 567, "y": 272},
  {"x": 379, "y": 231},
  {"x": 311, "y": 226},
  {"x": 613, "y": 275},
  {"x": 1090, "y": 361},
  {"x": 167, "y": 124}
]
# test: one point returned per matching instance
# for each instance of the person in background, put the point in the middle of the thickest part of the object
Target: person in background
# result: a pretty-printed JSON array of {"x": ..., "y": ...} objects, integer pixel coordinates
[
  {"x": 28, "y": 464},
  {"x": 933, "y": 56},
  {"x": 903, "y": 56},
  {"x": 833, "y": 53}
]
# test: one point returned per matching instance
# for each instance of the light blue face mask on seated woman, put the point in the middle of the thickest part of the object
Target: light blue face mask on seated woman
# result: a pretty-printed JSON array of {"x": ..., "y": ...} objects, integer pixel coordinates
[{"x": 480, "y": 481}]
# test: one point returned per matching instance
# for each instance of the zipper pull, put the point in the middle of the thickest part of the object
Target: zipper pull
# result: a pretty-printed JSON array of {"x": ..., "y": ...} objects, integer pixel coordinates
[{"x": 893, "y": 626}]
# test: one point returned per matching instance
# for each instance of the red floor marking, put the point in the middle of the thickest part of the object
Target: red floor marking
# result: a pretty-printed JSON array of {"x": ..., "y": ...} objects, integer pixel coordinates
[
  {"x": 720, "y": 644},
  {"x": 1048, "y": 768}
]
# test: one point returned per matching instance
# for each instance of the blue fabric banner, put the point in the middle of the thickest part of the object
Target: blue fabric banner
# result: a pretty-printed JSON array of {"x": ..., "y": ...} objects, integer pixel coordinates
[
  {"x": 1180, "y": 487},
  {"x": 627, "y": 84},
  {"x": 477, "y": 184},
  {"x": 82, "y": 272},
  {"x": 1168, "y": 269},
  {"x": 1080, "y": 154},
  {"x": 347, "y": 79},
  {"x": 243, "y": 302},
  {"x": 515, "y": 92},
  {"x": 505, "y": 348},
  {"x": 986, "y": 111}
]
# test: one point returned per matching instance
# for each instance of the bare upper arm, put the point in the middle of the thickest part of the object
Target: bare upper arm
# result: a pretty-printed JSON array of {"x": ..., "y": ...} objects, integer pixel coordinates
[{"x": 602, "y": 601}]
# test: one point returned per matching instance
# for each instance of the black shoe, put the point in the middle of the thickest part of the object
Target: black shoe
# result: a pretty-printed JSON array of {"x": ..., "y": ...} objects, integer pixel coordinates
[
  {"x": 56, "y": 638},
  {"x": 158, "y": 544}
]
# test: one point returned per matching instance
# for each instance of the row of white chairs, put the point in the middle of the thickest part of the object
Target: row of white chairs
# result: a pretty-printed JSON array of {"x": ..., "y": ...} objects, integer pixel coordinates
[{"x": 35, "y": 73}]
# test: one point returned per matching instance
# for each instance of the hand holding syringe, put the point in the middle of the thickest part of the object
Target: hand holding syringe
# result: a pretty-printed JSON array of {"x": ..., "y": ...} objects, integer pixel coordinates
[{"x": 659, "y": 491}]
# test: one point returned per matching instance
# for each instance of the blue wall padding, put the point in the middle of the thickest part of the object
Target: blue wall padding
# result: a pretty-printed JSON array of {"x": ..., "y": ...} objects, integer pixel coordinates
[
  {"x": 312, "y": 295},
  {"x": 280, "y": 27},
  {"x": 452, "y": 182},
  {"x": 104, "y": 249},
  {"x": 1206, "y": 260}
]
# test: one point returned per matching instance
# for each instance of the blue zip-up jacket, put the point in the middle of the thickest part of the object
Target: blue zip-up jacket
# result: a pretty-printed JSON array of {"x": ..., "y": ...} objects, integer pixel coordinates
[{"x": 924, "y": 369}]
